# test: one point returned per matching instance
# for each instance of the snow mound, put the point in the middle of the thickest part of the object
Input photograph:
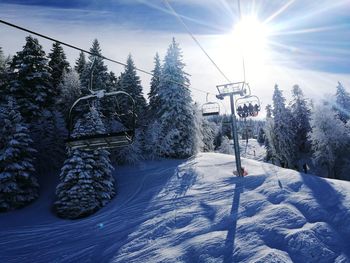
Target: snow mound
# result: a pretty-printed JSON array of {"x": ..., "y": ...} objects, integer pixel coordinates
[{"x": 193, "y": 211}]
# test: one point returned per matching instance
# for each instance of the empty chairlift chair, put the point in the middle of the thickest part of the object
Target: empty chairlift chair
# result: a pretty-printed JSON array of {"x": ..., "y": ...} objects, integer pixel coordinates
[
  {"x": 210, "y": 109},
  {"x": 117, "y": 137}
]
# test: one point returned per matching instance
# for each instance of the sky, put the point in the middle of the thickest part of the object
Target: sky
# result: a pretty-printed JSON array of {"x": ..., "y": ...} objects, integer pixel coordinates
[{"x": 305, "y": 42}]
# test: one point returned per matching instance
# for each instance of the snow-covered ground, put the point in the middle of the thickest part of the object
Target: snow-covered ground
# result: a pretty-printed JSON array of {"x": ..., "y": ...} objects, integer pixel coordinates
[
  {"x": 192, "y": 211},
  {"x": 252, "y": 149}
]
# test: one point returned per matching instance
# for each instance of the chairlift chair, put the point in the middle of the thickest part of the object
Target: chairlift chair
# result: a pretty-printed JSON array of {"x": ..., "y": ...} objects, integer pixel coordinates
[
  {"x": 248, "y": 106},
  {"x": 109, "y": 139},
  {"x": 210, "y": 109}
]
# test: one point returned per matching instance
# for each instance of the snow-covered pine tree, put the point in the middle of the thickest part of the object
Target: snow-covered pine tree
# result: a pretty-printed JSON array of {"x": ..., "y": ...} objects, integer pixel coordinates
[
  {"x": 342, "y": 106},
  {"x": 80, "y": 63},
  {"x": 2, "y": 60},
  {"x": 225, "y": 146},
  {"x": 30, "y": 81},
  {"x": 70, "y": 91},
  {"x": 285, "y": 147},
  {"x": 3, "y": 76},
  {"x": 177, "y": 133},
  {"x": 49, "y": 132},
  {"x": 153, "y": 95},
  {"x": 261, "y": 136},
  {"x": 58, "y": 65},
  {"x": 301, "y": 118},
  {"x": 330, "y": 141},
  {"x": 130, "y": 82},
  {"x": 270, "y": 139},
  {"x": 208, "y": 130},
  {"x": 100, "y": 71},
  {"x": 18, "y": 182},
  {"x": 86, "y": 181}
]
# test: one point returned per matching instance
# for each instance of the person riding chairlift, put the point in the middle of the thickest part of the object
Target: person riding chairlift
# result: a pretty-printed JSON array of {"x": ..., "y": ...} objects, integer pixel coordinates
[
  {"x": 245, "y": 111},
  {"x": 240, "y": 111},
  {"x": 251, "y": 109}
]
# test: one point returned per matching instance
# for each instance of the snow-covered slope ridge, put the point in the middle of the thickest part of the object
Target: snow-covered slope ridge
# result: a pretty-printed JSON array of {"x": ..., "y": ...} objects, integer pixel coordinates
[{"x": 194, "y": 211}]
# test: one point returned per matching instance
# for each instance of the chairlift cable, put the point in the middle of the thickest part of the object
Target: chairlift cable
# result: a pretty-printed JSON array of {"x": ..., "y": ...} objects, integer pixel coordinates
[
  {"x": 88, "y": 52},
  {"x": 194, "y": 38}
]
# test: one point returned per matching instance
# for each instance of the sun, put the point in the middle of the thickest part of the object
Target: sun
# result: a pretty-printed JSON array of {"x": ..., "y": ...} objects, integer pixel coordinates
[{"x": 251, "y": 36}]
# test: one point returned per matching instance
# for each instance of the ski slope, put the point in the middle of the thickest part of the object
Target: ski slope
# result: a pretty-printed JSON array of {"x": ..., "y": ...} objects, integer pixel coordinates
[{"x": 192, "y": 211}]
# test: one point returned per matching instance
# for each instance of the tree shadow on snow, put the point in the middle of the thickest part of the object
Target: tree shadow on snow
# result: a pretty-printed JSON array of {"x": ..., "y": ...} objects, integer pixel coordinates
[{"x": 330, "y": 201}]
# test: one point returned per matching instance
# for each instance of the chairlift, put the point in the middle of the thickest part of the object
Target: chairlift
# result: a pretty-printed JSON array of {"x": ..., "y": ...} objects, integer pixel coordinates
[
  {"x": 210, "y": 108},
  {"x": 117, "y": 137},
  {"x": 121, "y": 137},
  {"x": 248, "y": 106}
]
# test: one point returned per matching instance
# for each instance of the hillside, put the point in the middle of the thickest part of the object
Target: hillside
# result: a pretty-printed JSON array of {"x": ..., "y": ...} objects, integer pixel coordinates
[{"x": 192, "y": 211}]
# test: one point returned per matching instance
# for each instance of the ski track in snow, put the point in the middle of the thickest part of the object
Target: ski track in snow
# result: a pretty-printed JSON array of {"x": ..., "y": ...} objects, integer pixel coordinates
[{"x": 193, "y": 211}]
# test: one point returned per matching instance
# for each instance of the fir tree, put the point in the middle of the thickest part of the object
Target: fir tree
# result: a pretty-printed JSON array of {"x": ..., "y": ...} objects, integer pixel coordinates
[
  {"x": 2, "y": 60},
  {"x": 86, "y": 181},
  {"x": 58, "y": 65},
  {"x": 261, "y": 136},
  {"x": 80, "y": 63},
  {"x": 301, "y": 118},
  {"x": 208, "y": 131},
  {"x": 330, "y": 141},
  {"x": 70, "y": 91},
  {"x": 285, "y": 147},
  {"x": 177, "y": 138},
  {"x": 153, "y": 95},
  {"x": 342, "y": 103},
  {"x": 3, "y": 76},
  {"x": 225, "y": 146},
  {"x": 130, "y": 83},
  {"x": 49, "y": 133},
  {"x": 31, "y": 80},
  {"x": 100, "y": 74},
  {"x": 18, "y": 183}
]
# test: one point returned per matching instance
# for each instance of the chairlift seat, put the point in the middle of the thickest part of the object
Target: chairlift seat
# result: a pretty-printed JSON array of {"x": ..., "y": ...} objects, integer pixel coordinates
[{"x": 101, "y": 141}]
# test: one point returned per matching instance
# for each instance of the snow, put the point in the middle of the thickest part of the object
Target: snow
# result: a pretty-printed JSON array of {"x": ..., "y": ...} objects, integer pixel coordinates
[{"x": 192, "y": 210}]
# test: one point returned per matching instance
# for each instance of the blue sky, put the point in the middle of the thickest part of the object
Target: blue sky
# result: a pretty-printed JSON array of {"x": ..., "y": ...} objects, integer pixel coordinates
[{"x": 310, "y": 38}]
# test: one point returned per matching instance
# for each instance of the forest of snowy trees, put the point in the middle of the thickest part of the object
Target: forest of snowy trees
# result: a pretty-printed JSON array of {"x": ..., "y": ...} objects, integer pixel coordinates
[
  {"x": 38, "y": 89},
  {"x": 304, "y": 136}
]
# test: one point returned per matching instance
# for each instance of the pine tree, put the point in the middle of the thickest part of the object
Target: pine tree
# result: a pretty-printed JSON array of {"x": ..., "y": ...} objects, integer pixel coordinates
[
  {"x": 208, "y": 130},
  {"x": 130, "y": 83},
  {"x": 58, "y": 65},
  {"x": 301, "y": 118},
  {"x": 2, "y": 60},
  {"x": 70, "y": 91},
  {"x": 3, "y": 76},
  {"x": 49, "y": 133},
  {"x": 261, "y": 136},
  {"x": 100, "y": 72},
  {"x": 342, "y": 106},
  {"x": 86, "y": 181},
  {"x": 177, "y": 138},
  {"x": 30, "y": 81},
  {"x": 153, "y": 95},
  {"x": 18, "y": 183},
  {"x": 225, "y": 146},
  {"x": 285, "y": 147},
  {"x": 330, "y": 140},
  {"x": 80, "y": 63}
]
